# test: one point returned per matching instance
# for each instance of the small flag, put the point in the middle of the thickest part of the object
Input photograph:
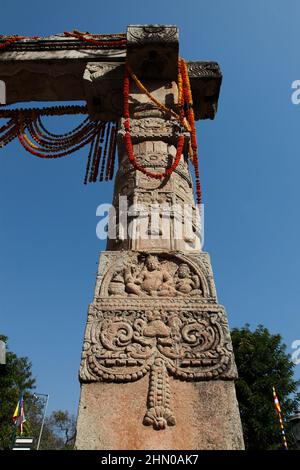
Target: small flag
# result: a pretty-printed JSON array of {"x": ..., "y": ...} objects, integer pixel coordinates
[
  {"x": 276, "y": 401},
  {"x": 278, "y": 411},
  {"x": 19, "y": 415}
]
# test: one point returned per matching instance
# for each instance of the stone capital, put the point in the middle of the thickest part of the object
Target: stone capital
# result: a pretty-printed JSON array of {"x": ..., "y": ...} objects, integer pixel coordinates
[{"x": 152, "y": 51}]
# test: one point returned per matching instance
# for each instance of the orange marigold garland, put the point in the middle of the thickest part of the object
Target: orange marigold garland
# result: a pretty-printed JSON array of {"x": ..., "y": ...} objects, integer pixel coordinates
[
  {"x": 43, "y": 152},
  {"x": 45, "y": 144},
  {"x": 150, "y": 96},
  {"x": 185, "y": 104},
  {"x": 180, "y": 94},
  {"x": 26, "y": 124},
  {"x": 97, "y": 42},
  {"x": 115, "y": 40},
  {"x": 10, "y": 41},
  {"x": 188, "y": 99},
  {"x": 128, "y": 141}
]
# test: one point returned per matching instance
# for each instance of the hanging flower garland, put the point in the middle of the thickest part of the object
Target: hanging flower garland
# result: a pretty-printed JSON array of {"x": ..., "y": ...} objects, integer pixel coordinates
[
  {"x": 27, "y": 125},
  {"x": 150, "y": 96},
  {"x": 128, "y": 140},
  {"x": 185, "y": 105},
  {"x": 35, "y": 138},
  {"x": 180, "y": 94},
  {"x": 49, "y": 149},
  {"x": 188, "y": 100},
  {"x": 97, "y": 42},
  {"x": 10, "y": 41}
]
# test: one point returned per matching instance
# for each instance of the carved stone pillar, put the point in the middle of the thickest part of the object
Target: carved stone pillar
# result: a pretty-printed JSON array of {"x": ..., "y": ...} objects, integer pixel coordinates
[{"x": 157, "y": 369}]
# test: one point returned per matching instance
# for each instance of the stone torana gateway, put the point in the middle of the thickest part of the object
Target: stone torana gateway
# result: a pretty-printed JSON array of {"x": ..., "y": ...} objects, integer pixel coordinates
[{"x": 157, "y": 368}]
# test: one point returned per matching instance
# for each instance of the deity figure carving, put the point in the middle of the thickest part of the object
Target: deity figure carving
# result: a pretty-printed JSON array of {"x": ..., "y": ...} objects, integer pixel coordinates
[
  {"x": 154, "y": 279},
  {"x": 185, "y": 282}
]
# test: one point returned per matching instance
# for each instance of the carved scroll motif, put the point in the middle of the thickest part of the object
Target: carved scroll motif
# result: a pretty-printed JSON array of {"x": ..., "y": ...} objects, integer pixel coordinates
[{"x": 123, "y": 346}]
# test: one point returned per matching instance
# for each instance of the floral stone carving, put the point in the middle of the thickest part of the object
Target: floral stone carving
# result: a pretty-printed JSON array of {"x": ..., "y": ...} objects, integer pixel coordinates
[{"x": 125, "y": 345}]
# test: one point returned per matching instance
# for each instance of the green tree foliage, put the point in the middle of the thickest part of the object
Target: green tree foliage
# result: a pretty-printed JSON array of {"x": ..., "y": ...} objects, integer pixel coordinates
[
  {"x": 262, "y": 362},
  {"x": 34, "y": 409},
  {"x": 63, "y": 426},
  {"x": 15, "y": 377}
]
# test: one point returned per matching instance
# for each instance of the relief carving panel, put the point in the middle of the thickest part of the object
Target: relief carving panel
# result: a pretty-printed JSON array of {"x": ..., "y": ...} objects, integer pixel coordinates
[{"x": 123, "y": 345}]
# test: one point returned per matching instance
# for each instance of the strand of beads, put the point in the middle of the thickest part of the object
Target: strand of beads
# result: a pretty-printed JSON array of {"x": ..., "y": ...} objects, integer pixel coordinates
[
  {"x": 26, "y": 124},
  {"x": 10, "y": 41},
  {"x": 112, "y": 153},
  {"x": 114, "y": 40},
  {"x": 46, "y": 152},
  {"x": 185, "y": 104},
  {"x": 97, "y": 153},
  {"x": 180, "y": 94},
  {"x": 89, "y": 160},
  {"x": 48, "y": 111},
  {"x": 8, "y": 132},
  {"x": 62, "y": 141},
  {"x": 50, "y": 135}
]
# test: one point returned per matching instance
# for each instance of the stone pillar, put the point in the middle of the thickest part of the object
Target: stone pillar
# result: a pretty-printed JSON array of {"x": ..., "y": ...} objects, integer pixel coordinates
[{"x": 157, "y": 368}]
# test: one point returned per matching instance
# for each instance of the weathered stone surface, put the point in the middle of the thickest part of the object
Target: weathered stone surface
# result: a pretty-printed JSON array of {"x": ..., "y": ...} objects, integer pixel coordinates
[
  {"x": 57, "y": 69},
  {"x": 152, "y": 51},
  {"x": 104, "y": 90},
  {"x": 155, "y": 317},
  {"x": 157, "y": 368},
  {"x": 158, "y": 217},
  {"x": 56, "y": 47},
  {"x": 206, "y": 412},
  {"x": 112, "y": 264}
]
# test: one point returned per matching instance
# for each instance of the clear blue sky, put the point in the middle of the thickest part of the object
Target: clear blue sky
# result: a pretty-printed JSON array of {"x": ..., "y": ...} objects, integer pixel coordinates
[{"x": 250, "y": 166}]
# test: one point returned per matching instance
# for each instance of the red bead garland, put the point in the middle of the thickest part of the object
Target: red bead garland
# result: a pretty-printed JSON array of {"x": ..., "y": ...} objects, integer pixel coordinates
[
  {"x": 97, "y": 42},
  {"x": 87, "y": 37},
  {"x": 128, "y": 141},
  {"x": 185, "y": 103},
  {"x": 26, "y": 124},
  {"x": 7, "y": 43}
]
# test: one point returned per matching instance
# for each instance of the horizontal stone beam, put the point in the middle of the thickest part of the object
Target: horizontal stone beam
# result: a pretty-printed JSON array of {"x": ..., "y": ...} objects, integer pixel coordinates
[
  {"x": 59, "y": 68},
  {"x": 58, "y": 47}
]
